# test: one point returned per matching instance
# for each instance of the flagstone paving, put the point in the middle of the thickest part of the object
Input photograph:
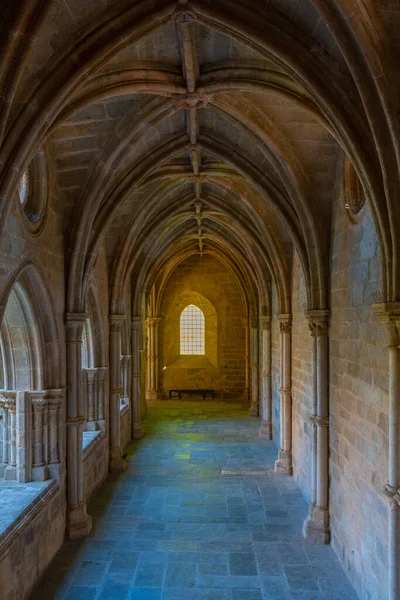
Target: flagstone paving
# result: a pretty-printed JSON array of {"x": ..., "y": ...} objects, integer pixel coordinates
[{"x": 198, "y": 515}]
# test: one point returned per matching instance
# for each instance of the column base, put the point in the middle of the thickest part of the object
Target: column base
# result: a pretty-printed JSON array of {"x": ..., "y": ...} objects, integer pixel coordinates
[
  {"x": 117, "y": 465},
  {"x": 253, "y": 410},
  {"x": 151, "y": 395},
  {"x": 137, "y": 432},
  {"x": 265, "y": 430},
  {"x": 316, "y": 526},
  {"x": 283, "y": 465},
  {"x": 79, "y": 523}
]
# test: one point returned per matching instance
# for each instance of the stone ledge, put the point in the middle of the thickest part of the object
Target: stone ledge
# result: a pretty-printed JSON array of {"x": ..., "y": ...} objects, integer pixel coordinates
[
  {"x": 124, "y": 408},
  {"x": 90, "y": 440},
  {"x": 26, "y": 500}
]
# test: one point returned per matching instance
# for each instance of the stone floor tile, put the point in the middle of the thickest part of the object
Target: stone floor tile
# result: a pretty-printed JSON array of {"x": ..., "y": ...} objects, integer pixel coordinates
[
  {"x": 180, "y": 575},
  {"x": 145, "y": 594},
  {"x": 81, "y": 592},
  {"x": 242, "y": 564},
  {"x": 247, "y": 595},
  {"x": 113, "y": 588}
]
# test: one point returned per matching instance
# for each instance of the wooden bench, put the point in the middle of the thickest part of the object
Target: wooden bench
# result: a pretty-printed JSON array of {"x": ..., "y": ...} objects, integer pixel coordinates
[{"x": 178, "y": 393}]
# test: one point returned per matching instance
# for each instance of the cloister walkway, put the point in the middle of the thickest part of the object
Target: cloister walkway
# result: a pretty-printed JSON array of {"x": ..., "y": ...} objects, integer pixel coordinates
[{"x": 198, "y": 515}]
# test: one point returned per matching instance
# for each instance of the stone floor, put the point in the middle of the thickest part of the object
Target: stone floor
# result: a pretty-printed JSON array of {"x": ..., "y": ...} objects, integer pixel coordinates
[{"x": 199, "y": 515}]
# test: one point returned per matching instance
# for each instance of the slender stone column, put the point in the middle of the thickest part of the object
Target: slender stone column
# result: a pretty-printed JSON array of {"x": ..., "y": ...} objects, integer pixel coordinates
[
  {"x": 265, "y": 378},
  {"x": 255, "y": 384},
  {"x": 79, "y": 523},
  {"x": 389, "y": 314},
  {"x": 247, "y": 358},
  {"x": 101, "y": 382},
  {"x": 152, "y": 358},
  {"x": 284, "y": 463},
  {"x": 11, "y": 433},
  {"x": 125, "y": 361},
  {"x": 137, "y": 331},
  {"x": 117, "y": 463},
  {"x": 316, "y": 526}
]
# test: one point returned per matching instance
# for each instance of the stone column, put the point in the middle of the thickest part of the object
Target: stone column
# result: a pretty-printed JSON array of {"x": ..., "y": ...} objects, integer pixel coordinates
[
  {"x": 389, "y": 314},
  {"x": 255, "y": 384},
  {"x": 125, "y": 361},
  {"x": 79, "y": 523},
  {"x": 247, "y": 358},
  {"x": 284, "y": 463},
  {"x": 117, "y": 463},
  {"x": 152, "y": 358},
  {"x": 101, "y": 395},
  {"x": 137, "y": 331},
  {"x": 8, "y": 402},
  {"x": 39, "y": 423},
  {"x": 265, "y": 378},
  {"x": 316, "y": 526},
  {"x": 90, "y": 385}
]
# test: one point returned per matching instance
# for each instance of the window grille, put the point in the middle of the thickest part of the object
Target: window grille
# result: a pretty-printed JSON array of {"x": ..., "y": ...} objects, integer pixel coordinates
[{"x": 192, "y": 331}]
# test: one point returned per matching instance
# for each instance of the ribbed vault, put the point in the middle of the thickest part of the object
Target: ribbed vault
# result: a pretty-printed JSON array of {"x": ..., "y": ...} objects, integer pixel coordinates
[{"x": 185, "y": 127}]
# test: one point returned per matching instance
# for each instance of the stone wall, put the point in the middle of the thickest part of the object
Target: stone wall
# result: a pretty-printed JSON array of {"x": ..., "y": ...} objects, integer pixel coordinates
[
  {"x": 358, "y": 407},
  {"x": 276, "y": 361},
  {"x": 301, "y": 381},
  {"x": 32, "y": 548},
  {"x": 95, "y": 466},
  {"x": 210, "y": 285}
]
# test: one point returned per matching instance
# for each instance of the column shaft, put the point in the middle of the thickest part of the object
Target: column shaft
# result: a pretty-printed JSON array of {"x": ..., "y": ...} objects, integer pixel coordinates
[
  {"x": 284, "y": 463},
  {"x": 137, "y": 325},
  {"x": 117, "y": 463},
  {"x": 79, "y": 523},
  {"x": 255, "y": 384},
  {"x": 316, "y": 526},
  {"x": 265, "y": 378}
]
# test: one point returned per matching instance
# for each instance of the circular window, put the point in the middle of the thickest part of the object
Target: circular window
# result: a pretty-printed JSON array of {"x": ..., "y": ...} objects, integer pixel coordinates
[
  {"x": 32, "y": 192},
  {"x": 354, "y": 196}
]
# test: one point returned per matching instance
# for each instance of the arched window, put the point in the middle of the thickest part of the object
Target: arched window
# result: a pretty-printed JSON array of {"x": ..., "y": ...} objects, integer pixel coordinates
[{"x": 192, "y": 330}]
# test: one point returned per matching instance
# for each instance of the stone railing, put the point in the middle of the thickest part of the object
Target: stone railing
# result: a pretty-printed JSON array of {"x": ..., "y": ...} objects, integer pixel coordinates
[
  {"x": 93, "y": 381},
  {"x": 31, "y": 434}
]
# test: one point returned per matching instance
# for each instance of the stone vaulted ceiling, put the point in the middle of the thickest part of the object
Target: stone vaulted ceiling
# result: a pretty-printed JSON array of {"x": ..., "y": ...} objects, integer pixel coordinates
[{"x": 183, "y": 127}]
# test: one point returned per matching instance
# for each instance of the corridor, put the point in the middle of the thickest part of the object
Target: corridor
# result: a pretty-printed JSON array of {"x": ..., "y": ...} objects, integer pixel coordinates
[{"x": 198, "y": 515}]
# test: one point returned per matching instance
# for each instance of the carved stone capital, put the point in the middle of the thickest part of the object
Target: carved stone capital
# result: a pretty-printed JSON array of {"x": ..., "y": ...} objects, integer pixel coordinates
[
  {"x": 115, "y": 322},
  {"x": 389, "y": 314},
  {"x": 8, "y": 399},
  {"x": 285, "y": 323},
  {"x": 254, "y": 322},
  {"x": 318, "y": 322},
  {"x": 265, "y": 323},
  {"x": 74, "y": 324}
]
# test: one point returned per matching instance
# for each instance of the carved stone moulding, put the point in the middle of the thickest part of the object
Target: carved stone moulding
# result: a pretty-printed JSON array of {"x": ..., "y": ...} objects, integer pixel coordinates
[{"x": 353, "y": 194}]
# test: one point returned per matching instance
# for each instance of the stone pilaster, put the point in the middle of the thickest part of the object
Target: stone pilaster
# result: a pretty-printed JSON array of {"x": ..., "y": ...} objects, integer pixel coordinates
[
  {"x": 265, "y": 378},
  {"x": 152, "y": 324},
  {"x": 389, "y": 314},
  {"x": 255, "y": 384},
  {"x": 316, "y": 527},
  {"x": 284, "y": 463},
  {"x": 79, "y": 523},
  {"x": 117, "y": 463},
  {"x": 137, "y": 334}
]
